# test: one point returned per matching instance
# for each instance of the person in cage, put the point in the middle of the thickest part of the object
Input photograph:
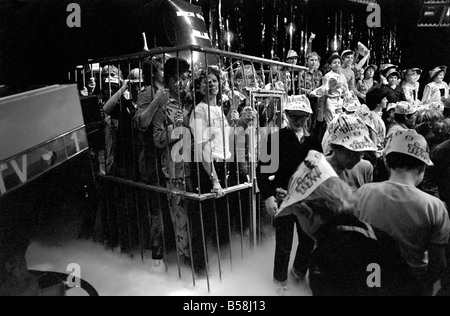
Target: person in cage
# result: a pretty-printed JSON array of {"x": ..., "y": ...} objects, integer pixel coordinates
[
  {"x": 214, "y": 133},
  {"x": 169, "y": 123},
  {"x": 294, "y": 142},
  {"x": 153, "y": 97}
]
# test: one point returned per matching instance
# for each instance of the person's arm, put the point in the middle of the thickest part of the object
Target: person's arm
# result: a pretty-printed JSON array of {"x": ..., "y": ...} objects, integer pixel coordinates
[
  {"x": 162, "y": 133},
  {"x": 265, "y": 180},
  {"x": 148, "y": 107},
  {"x": 310, "y": 40},
  {"x": 109, "y": 105},
  {"x": 357, "y": 91},
  {"x": 437, "y": 265}
]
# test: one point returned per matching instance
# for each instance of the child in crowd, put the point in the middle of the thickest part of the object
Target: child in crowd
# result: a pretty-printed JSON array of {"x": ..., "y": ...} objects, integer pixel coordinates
[
  {"x": 393, "y": 90},
  {"x": 405, "y": 118},
  {"x": 411, "y": 85},
  {"x": 367, "y": 82},
  {"x": 345, "y": 248},
  {"x": 334, "y": 85},
  {"x": 418, "y": 221},
  {"x": 437, "y": 89}
]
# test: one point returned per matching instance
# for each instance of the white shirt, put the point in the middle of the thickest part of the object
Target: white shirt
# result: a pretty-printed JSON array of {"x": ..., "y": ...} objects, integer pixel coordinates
[
  {"x": 214, "y": 129},
  {"x": 412, "y": 217}
]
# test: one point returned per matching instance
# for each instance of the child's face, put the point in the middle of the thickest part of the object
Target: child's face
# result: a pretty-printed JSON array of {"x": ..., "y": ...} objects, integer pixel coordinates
[
  {"x": 413, "y": 77},
  {"x": 440, "y": 77},
  {"x": 336, "y": 65},
  {"x": 348, "y": 60},
  {"x": 438, "y": 128},
  {"x": 313, "y": 62},
  {"x": 393, "y": 80},
  {"x": 369, "y": 73}
]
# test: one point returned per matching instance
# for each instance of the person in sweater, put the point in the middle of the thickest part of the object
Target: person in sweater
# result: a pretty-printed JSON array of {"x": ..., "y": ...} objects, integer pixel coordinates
[{"x": 418, "y": 221}]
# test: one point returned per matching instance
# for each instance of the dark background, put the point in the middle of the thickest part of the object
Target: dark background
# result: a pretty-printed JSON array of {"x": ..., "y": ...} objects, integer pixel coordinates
[{"x": 37, "y": 47}]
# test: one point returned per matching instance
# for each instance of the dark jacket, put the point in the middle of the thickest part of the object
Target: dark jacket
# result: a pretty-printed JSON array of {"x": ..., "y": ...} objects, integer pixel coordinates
[
  {"x": 291, "y": 154},
  {"x": 340, "y": 263},
  {"x": 394, "y": 95}
]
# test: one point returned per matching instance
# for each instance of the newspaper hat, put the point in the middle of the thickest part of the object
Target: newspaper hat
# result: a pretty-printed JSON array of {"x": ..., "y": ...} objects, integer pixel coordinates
[
  {"x": 391, "y": 106},
  {"x": 351, "y": 103},
  {"x": 374, "y": 67},
  {"x": 298, "y": 103},
  {"x": 385, "y": 67},
  {"x": 407, "y": 72},
  {"x": 135, "y": 75},
  {"x": 405, "y": 108},
  {"x": 391, "y": 72},
  {"x": 410, "y": 143},
  {"x": 366, "y": 115},
  {"x": 347, "y": 52},
  {"x": 352, "y": 133},
  {"x": 291, "y": 54},
  {"x": 306, "y": 180},
  {"x": 435, "y": 71}
]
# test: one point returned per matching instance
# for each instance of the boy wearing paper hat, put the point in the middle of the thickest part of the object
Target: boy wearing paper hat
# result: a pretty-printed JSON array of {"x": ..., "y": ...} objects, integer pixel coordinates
[
  {"x": 418, "y": 221},
  {"x": 349, "y": 140},
  {"x": 393, "y": 90},
  {"x": 437, "y": 88},
  {"x": 273, "y": 174},
  {"x": 345, "y": 247},
  {"x": 405, "y": 118},
  {"x": 411, "y": 85}
]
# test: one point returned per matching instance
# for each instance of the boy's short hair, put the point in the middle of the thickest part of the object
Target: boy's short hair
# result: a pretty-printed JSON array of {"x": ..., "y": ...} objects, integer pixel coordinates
[
  {"x": 313, "y": 54},
  {"x": 396, "y": 160},
  {"x": 374, "y": 97}
]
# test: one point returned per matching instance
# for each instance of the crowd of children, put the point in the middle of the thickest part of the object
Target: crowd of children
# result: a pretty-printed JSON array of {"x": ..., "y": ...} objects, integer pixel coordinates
[{"x": 383, "y": 141}]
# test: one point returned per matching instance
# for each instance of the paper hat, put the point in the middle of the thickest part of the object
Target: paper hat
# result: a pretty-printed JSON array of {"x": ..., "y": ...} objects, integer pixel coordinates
[
  {"x": 374, "y": 67},
  {"x": 391, "y": 106},
  {"x": 407, "y": 72},
  {"x": 298, "y": 103},
  {"x": 391, "y": 72},
  {"x": 366, "y": 115},
  {"x": 385, "y": 67},
  {"x": 405, "y": 108},
  {"x": 351, "y": 102},
  {"x": 136, "y": 75},
  {"x": 410, "y": 143},
  {"x": 435, "y": 71},
  {"x": 352, "y": 133},
  {"x": 306, "y": 180},
  {"x": 291, "y": 54},
  {"x": 438, "y": 106},
  {"x": 347, "y": 52}
]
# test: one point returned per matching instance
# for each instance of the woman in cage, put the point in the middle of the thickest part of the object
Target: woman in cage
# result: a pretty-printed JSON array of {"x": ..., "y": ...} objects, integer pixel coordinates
[{"x": 213, "y": 132}]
